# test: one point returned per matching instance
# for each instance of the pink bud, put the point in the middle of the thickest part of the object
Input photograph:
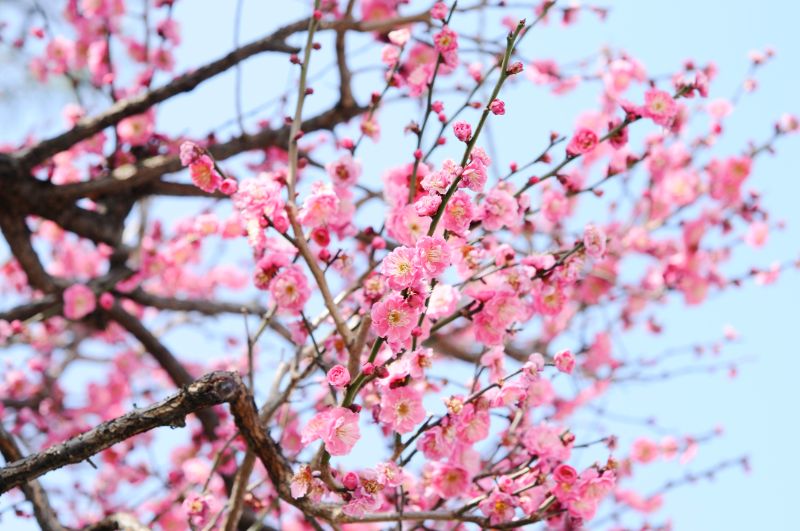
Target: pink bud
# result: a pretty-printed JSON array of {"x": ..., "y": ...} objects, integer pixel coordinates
[
  {"x": 228, "y": 186},
  {"x": 350, "y": 481},
  {"x": 497, "y": 107}
]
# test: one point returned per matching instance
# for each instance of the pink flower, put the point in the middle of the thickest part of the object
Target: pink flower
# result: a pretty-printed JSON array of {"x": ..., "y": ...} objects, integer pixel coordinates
[
  {"x": 499, "y": 210},
  {"x": 342, "y": 433},
  {"x": 450, "y": 481},
  {"x": 660, "y": 107},
  {"x": 203, "y": 174},
  {"x": 189, "y": 153},
  {"x": 474, "y": 175},
  {"x": 445, "y": 41},
  {"x": 583, "y": 141},
  {"x": 432, "y": 256},
  {"x": 79, "y": 301},
  {"x": 401, "y": 409},
  {"x": 439, "y": 11},
  {"x": 565, "y": 361},
  {"x": 437, "y": 442},
  {"x": 644, "y": 451},
  {"x": 337, "y": 427},
  {"x": 301, "y": 482},
  {"x": 565, "y": 474},
  {"x": 757, "y": 234},
  {"x": 338, "y": 376},
  {"x": 290, "y": 289},
  {"x": 345, "y": 171},
  {"x": 406, "y": 226},
  {"x": 427, "y": 205},
  {"x": 594, "y": 241},
  {"x": 197, "y": 507},
  {"x": 320, "y": 206},
  {"x": 499, "y": 507},
  {"x": 544, "y": 440},
  {"x": 462, "y": 130},
  {"x": 400, "y": 269},
  {"x": 472, "y": 424},
  {"x": 136, "y": 130},
  {"x": 394, "y": 319},
  {"x": 497, "y": 107},
  {"x": 458, "y": 213}
]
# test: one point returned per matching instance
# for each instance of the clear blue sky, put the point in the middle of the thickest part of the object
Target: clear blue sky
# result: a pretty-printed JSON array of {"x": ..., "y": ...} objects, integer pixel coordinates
[{"x": 758, "y": 408}]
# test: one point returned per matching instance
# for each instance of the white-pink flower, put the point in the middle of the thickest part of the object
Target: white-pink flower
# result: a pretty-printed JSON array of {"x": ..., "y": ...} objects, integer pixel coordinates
[{"x": 401, "y": 409}]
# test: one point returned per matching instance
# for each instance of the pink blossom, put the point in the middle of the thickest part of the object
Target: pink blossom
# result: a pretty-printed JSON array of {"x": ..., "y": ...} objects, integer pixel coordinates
[
  {"x": 189, "y": 153},
  {"x": 544, "y": 440},
  {"x": 565, "y": 361},
  {"x": 198, "y": 508},
  {"x": 450, "y": 481},
  {"x": 204, "y": 175},
  {"x": 345, "y": 171},
  {"x": 432, "y": 256},
  {"x": 757, "y": 234},
  {"x": 401, "y": 409},
  {"x": 437, "y": 442},
  {"x": 338, "y": 376},
  {"x": 644, "y": 450},
  {"x": 660, "y": 107},
  {"x": 301, "y": 482},
  {"x": 472, "y": 424},
  {"x": 497, "y": 107},
  {"x": 498, "y": 507},
  {"x": 474, "y": 175},
  {"x": 400, "y": 269},
  {"x": 136, "y": 130},
  {"x": 406, "y": 226},
  {"x": 320, "y": 206},
  {"x": 290, "y": 289},
  {"x": 427, "y": 205},
  {"x": 594, "y": 241},
  {"x": 583, "y": 141},
  {"x": 439, "y": 11},
  {"x": 446, "y": 40},
  {"x": 499, "y": 209},
  {"x": 459, "y": 213},
  {"x": 462, "y": 130},
  {"x": 79, "y": 301},
  {"x": 393, "y": 318},
  {"x": 337, "y": 427}
]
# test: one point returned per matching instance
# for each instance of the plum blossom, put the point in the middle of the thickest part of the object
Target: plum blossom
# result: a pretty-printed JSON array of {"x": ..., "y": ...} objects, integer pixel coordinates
[
  {"x": 338, "y": 376},
  {"x": 337, "y": 427},
  {"x": 290, "y": 289},
  {"x": 400, "y": 268},
  {"x": 401, "y": 409},
  {"x": 79, "y": 301},
  {"x": 393, "y": 318},
  {"x": 660, "y": 107}
]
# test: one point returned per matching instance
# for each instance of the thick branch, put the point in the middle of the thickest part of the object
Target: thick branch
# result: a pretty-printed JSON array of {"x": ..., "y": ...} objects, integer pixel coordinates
[{"x": 210, "y": 390}]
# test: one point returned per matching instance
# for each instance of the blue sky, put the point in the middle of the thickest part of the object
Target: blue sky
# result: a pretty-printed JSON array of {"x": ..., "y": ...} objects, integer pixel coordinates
[{"x": 758, "y": 408}]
